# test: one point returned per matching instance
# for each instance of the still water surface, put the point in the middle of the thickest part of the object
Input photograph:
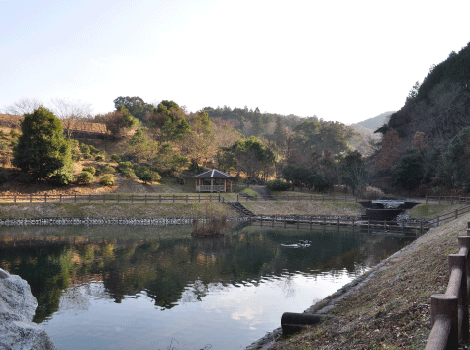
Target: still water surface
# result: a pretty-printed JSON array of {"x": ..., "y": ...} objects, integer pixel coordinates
[{"x": 157, "y": 287}]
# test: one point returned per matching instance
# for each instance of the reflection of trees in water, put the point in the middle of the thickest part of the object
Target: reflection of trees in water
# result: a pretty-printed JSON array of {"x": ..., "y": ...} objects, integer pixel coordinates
[{"x": 175, "y": 270}]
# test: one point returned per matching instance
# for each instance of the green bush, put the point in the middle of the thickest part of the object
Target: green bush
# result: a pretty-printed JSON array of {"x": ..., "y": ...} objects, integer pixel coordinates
[
  {"x": 146, "y": 177},
  {"x": 126, "y": 170},
  {"x": 116, "y": 158},
  {"x": 99, "y": 158},
  {"x": 278, "y": 185},
  {"x": 93, "y": 149},
  {"x": 85, "y": 177},
  {"x": 90, "y": 170},
  {"x": 85, "y": 149},
  {"x": 107, "y": 180},
  {"x": 107, "y": 169}
]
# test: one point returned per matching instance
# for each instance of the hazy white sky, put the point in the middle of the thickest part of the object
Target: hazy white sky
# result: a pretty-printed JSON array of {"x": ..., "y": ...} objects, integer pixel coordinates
[{"x": 339, "y": 60}]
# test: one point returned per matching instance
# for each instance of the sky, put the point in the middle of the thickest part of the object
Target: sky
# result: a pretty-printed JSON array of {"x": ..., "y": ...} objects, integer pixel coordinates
[{"x": 340, "y": 60}]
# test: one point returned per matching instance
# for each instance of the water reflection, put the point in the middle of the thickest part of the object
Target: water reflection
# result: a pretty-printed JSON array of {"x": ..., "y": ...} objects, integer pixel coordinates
[{"x": 246, "y": 278}]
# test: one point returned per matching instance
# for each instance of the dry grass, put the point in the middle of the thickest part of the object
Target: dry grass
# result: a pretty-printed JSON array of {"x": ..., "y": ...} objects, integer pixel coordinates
[
  {"x": 305, "y": 208},
  {"x": 111, "y": 210},
  {"x": 391, "y": 310}
]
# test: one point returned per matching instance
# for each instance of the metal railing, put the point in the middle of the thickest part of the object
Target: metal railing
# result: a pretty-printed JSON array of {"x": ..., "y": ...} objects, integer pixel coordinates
[{"x": 449, "y": 311}]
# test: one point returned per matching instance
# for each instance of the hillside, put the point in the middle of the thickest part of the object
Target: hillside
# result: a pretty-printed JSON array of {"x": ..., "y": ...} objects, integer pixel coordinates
[
  {"x": 373, "y": 123},
  {"x": 425, "y": 143},
  {"x": 440, "y": 106}
]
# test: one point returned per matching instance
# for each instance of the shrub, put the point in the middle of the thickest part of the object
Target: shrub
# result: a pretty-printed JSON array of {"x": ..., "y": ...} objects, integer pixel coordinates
[
  {"x": 371, "y": 193},
  {"x": 278, "y": 185},
  {"x": 85, "y": 149},
  {"x": 146, "y": 177},
  {"x": 107, "y": 169},
  {"x": 90, "y": 170},
  {"x": 93, "y": 149},
  {"x": 116, "y": 158},
  {"x": 107, "y": 180},
  {"x": 99, "y": 158},
  {"x": 126, "y": 170},
  {"x": 85, "y": 177}
]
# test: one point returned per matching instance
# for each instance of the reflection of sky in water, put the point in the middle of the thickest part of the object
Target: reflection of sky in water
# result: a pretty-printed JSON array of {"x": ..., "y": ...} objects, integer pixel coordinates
[
  {"x": 226, "y": 317},
  {"x": 130, "y": 292}
]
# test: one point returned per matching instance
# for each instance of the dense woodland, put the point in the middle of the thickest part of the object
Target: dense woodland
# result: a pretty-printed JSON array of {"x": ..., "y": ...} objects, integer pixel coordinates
[{"x": 422, "y": 149}]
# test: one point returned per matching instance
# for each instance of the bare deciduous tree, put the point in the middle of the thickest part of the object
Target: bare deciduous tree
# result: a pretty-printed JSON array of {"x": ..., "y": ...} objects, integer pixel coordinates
[
  {"x": 24, "y": 106},
  {"x": 71, "y": 112}
]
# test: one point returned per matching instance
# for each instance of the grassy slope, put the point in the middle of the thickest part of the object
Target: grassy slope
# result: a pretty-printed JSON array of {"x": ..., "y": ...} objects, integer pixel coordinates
[
  {"x": 392, "y": 310},
  {"x": 129, "y": 210}
]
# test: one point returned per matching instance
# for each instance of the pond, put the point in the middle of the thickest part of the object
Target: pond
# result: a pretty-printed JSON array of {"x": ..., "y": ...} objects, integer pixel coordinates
[{"x": 117, "y": 287}]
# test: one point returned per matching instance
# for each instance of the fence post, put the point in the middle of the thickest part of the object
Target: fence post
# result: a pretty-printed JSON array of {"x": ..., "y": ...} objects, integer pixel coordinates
[
  {"x": 104, "y": 198},
  {"x": 118, "y": 198},
  {"x": 456, "y": 213},
  {"x": 459, "y": 261},
  {"x": 173, "y": 198},
  {"x": 442, "y": 305},
  {"x": 89, "y": 198},
  {"x": 75, "y": 198},
  {"x": 344, "y": 199},
  {"x": 45, "y": 198},
  {"x": 60, "y": 198},
  {"x": 186, "y": 198},
  {"x": 464, "y": 242},
  {"x": 426, "y": 199},
  {"x": 237, "y": 198},
  {"x": 145, "y": 198},
  {"x": 31, "y": 198},
  {"x": 437, "y": 220},
  {"x": 14, "y": 199}
]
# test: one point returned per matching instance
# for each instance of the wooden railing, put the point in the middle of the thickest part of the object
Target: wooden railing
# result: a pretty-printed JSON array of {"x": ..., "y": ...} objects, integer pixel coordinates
[
  {"x": 449, "y": 311},
  {"x": 442, "y": 219},
  {"x": 153, "y": 198},
  {"x": 448, "y": 199}
]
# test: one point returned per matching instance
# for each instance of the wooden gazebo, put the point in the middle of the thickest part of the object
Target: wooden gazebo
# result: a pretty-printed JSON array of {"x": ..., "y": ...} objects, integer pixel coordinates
[{"x": 214, "y": 181}]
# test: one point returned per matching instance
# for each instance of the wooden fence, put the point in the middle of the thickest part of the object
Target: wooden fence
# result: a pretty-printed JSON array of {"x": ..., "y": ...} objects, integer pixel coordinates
[
  {"x": 308, "y": 221},
  {"x": 153, "y": 198},
  {"x": 449, "y": 311},
  {"x": 448, "y": 199}
]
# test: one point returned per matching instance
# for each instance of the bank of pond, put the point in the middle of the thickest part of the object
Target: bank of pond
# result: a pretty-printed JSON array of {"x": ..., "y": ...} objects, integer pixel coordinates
[{"x": 111, "y": 287}]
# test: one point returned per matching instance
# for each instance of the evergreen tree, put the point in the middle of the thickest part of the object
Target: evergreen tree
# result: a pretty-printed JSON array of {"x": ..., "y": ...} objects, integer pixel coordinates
[{"x": 42, "y": 151}]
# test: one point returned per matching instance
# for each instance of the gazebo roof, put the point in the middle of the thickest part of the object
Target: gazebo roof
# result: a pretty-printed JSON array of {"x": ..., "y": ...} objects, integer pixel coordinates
[{"x": 214, "y": 174}]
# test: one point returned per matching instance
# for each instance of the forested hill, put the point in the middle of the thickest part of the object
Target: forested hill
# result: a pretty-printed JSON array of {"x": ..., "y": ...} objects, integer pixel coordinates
[
  {"x": 252, "y": 122},
  {"x": 440, "y": 106},
  {"x": 425, "y": 143}
]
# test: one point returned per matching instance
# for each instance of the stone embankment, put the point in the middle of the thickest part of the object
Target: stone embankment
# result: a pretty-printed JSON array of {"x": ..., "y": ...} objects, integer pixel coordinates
[
  {"x": 103, "y": 221},
  {"x": 17, "y": 308}
]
